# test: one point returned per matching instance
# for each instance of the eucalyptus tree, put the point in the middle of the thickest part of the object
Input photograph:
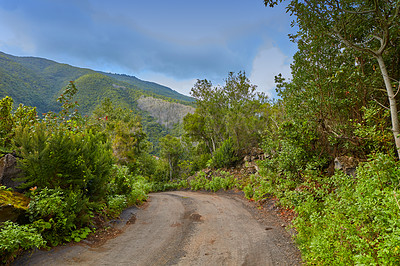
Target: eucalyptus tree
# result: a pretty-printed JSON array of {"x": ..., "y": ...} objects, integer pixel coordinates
[{"x": 369, "y": 28}]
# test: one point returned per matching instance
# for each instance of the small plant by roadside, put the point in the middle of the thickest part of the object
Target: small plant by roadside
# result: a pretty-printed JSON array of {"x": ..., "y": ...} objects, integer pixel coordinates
[
  {"x": 14, "y": 238},
  {"x": 220, "y": 180}
]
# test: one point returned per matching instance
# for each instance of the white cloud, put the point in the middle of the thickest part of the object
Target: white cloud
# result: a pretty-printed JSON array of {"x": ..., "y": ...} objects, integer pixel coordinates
[
  {"x": 268, "y": 63},
  {"x": 182, "y": 86}
]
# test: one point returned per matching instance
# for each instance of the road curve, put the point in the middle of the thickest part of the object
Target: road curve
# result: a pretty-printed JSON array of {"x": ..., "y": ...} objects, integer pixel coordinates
[{"x": 185, "y": 228}]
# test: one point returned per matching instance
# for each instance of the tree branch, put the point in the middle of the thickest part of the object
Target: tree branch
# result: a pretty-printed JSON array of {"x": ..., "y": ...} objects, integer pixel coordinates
[
  {"x": 397, "y": 91},
  {"x": 352, "y": 45},
  {"x": 387, "y": 108}
]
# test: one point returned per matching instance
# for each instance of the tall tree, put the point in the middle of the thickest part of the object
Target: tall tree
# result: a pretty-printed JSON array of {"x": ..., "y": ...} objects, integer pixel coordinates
[
  {"x": 172, "y": 151},
  {"x": 369, "y": 27},
  {"x": 223, "y": 112}
]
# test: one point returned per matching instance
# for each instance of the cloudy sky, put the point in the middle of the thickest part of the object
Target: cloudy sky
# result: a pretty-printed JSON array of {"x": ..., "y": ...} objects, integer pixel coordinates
[{"x": 171, "y": 42}]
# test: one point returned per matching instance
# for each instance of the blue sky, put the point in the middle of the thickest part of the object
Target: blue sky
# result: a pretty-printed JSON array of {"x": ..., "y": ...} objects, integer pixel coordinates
[{"x": 171, "y": 42}]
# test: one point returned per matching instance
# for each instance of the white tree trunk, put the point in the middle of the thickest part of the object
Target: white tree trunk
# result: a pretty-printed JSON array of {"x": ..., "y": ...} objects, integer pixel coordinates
[{"x": 392, "y": 102}]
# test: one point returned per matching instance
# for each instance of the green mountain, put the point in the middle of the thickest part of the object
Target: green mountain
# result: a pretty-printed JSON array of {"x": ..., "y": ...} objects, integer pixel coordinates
[{"x": 38, "y": 82}]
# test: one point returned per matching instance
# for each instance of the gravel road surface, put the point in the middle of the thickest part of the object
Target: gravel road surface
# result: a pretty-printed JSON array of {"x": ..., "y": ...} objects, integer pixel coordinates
[{"x": 185, "y": 228}]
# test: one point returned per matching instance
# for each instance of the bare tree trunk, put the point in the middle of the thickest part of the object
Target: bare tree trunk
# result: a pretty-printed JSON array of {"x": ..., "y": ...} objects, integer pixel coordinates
[
  {"x": 392, "y": 102},
  {"x": 213, "y": 143},
  {"x": 170, "y": 168}
]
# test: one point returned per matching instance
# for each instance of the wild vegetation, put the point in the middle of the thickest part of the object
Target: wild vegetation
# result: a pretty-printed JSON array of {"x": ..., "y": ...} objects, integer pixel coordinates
[
  {"x": 75, "y": 169},
  {"x": 38, "y": 82},
  {"x": 340, "y": 101}
]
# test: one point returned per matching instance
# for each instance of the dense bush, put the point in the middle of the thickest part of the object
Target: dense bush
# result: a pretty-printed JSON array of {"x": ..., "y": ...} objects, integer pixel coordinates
[
  {"x": 14, "y": 237},
  {"x": 57, "y": 214},
  {"x": 116, "y": 204},
  {"x": 124, "y": 189},
  {"x": 80, "y": 161},
  {"x": 220, "y": 180},
  {"x": 224, "y": 156},
  {"x": 349, "y": 221}
]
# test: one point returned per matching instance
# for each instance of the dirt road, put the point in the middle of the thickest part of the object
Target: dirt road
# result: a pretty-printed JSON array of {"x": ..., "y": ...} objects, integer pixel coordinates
[{"x": 186, "y": 228}]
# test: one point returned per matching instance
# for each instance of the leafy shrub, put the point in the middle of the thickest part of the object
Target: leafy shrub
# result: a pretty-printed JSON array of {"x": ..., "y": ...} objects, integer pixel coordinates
[
  {"x": 58, "y": 214},
  {"x": 199, "y": 182},
  {"x": 357, "y": 224},
  {"x": 171, "y": 185},
  {"x": 123, "y": 184},
  {"x": 257, "y": 187},
  {"x": 224, "y": 156},
  {"x": 79, "y": 161},
  {"x": 221, "y": 180},
  {"x": 374, "y": 130},
  {"x": 121, "y": 180},
  {"x": 14, "y": 237},
  {"x": 79, "y": 234},
  {"x": 6, "y": 121},
  {"x": 115, "y": 204},
  {"x": 225, "y": 181}
]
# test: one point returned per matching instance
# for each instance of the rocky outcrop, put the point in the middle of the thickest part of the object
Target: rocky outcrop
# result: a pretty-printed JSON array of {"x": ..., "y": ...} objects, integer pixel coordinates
[
  {"x": 250, "y": 160},
  {"x": 9, "y": 172},
  {"x": 347, "y": 164},
  {"x": 166, "y": 113},
  {"x": 254, "y": 155},
  {"x": 13, "y": 206}
]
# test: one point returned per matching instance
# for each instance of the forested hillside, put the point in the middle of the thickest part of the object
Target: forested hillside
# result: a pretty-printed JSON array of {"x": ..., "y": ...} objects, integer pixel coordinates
[{"x": 38, "y": 82}]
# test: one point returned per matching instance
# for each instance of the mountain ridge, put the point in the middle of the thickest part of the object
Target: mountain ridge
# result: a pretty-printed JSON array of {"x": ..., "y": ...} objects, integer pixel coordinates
[{"x": 38, "y": 82}]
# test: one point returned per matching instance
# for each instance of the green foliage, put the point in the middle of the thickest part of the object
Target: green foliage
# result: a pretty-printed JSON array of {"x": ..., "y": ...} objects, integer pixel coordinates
[
  {"x": 68, "y": 112},
  {"x": 79, "y": 234},
  {"x": 199, "y": 182},
  {"x": 172, "y": 151},
  {"x": 169, "y": 185},
  {"x": 6, "y": 121},
  {"x": 116, "y": 204},
  {"x": 232, "y": 111},
  {"x": 224, "y": 181},
  {"x": 14, "y": 237},
  {"x": 224, "y": 156},
  {"x": 125, "y": 189},
  {"x": 220, "y": 180},
  {"x": 80, "y": 161},
  {"x": 25, "y": 116},
  {"x": 359, "y": 223},
  {"x": 124, "y": 129},
  {"x": 374, "y": 130},
  {"x": 293, "y": 148},
  {"x": 140, "y": 188},
  {"x": 58, "y": 214}
]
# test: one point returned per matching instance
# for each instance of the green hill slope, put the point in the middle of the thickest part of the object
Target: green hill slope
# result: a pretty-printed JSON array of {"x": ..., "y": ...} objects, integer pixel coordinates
[{"x": 38, "y": 82}]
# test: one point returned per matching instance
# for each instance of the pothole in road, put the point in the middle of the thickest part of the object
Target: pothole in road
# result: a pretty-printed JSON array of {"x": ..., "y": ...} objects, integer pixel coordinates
[{"x": 195, "y": 217}]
